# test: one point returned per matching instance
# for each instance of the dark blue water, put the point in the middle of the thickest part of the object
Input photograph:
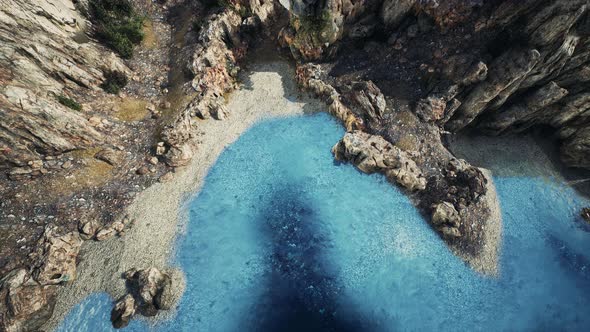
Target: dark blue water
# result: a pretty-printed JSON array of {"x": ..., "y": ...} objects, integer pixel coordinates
[{"x": 281, "y": 238}]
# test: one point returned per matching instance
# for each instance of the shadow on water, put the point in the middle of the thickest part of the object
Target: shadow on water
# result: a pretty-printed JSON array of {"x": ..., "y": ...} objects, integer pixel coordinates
[
  {"x": 575, "y": 263},
  {"x": 302, "y": 292}
]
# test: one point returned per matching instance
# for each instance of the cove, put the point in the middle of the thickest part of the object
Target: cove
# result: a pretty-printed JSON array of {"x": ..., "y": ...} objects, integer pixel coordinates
[{"x": 282, "y": 238}]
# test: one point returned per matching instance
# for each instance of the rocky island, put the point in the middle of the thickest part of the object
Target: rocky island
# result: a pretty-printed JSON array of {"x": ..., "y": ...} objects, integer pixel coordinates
[{"x": 112, "y": 113}]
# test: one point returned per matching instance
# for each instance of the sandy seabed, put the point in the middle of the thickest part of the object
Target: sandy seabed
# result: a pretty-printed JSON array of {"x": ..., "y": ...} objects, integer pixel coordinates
[{"x": 160, "y": 212}]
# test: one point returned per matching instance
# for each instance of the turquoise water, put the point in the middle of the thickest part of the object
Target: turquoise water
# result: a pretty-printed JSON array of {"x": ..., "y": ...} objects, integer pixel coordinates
[{"x": 282, "y": 238}]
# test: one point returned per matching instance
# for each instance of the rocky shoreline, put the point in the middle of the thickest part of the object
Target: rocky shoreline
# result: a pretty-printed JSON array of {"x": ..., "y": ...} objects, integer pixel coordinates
[
  {"x": 162, "y": 207},
  {"x": 453, "y": 196},
  {"x": 399, "y": 75}
]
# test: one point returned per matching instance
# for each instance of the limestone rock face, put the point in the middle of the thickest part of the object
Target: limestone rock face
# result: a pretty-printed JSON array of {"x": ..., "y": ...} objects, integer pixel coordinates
[
  {"x": 372, "y": 153},
  {"x": 59, "y": 257},
  {"x": 310, "y": 76},
  {"x": 537, "y": 73},
  {"x": 315, "y": 26},
  {"x": 213, "y": 63},
  {"x": 544, "y": 83},
  {"x": 40, "y": 60},
  {"x": 505, "y": 72},
  {"x": 370, "y": 100},
  {"x": 26, "y": 304}
]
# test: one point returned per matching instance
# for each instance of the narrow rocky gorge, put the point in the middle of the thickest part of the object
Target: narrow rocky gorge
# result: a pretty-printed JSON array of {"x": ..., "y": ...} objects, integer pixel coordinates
[{"x": 400, "y": 75}]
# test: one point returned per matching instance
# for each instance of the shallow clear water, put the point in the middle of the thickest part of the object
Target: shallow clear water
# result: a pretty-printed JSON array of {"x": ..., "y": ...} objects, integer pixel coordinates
[{"x": 281, "y": 238}]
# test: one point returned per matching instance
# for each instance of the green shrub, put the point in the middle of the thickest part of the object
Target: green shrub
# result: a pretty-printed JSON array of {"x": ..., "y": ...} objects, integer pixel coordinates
[
  {"x": 69, "y": 103},
  {"x": 117, "y": 25},
  {"x": 114, "y": 81}
]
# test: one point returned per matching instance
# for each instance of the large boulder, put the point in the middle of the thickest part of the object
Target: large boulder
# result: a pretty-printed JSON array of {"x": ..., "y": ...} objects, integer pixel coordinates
[
  {"x": 316, "y": 26},
  {"x": 150, "y": 290},
  {"x": 370, "y": 100},
  {"x": 58, "y": 260},
  {"x": 372, "y": 153},
  {"x": 392, "y": 12},
  {"x": 27, "y": 303}
]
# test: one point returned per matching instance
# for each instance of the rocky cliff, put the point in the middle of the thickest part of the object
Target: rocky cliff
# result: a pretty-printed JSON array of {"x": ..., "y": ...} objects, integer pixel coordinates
[
  {"x": 71, "y": 154},
  {"x": 497, "y": 66},
  {"x": 45, "y": 55},
  {"x": 401, "y": 75}
]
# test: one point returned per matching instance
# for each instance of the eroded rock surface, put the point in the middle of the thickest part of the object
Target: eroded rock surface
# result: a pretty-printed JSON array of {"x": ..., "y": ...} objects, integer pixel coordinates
[
  {"x": 40, "y": 60},
  {"x": 515, "y": 65},
  {"x": 372, "y": 153},
  {"x": 58, "y": 262},
  {"x": 26, "y": 303},
  {"x": 123, "y": 311},
  {"x": 222, "y": 41},
  {"x": 150, "y": 290}
]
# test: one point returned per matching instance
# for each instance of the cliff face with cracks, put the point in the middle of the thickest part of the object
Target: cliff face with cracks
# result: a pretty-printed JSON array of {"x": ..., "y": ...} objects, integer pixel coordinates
[
  {"x": 43, "y": 54},
  {"x": 498, "y": 66},
  {"x": 69, "y": 172},
  {"x": 398, "y": 74}
]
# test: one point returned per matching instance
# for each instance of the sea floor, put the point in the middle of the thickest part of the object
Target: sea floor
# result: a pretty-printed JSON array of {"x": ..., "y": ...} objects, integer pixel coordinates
[{"x": 282, "y": 238}]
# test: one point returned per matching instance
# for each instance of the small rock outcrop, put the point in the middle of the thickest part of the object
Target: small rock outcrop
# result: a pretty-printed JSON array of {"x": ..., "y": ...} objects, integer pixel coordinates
[
  {"x": 446, "y": 219},
  {"x": 123, "y": 311},
  {"x": 150, "y": 290},
  {"x": 311, "y": 77},
  {"x": 409, "y": 152},
  {"x": 370, "y": 101},
  {"x": 110, "y": 156}
]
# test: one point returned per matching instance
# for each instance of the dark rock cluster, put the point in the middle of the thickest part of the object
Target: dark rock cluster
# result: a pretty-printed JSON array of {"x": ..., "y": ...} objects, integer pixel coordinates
[{"x": 150, "y": 290}]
